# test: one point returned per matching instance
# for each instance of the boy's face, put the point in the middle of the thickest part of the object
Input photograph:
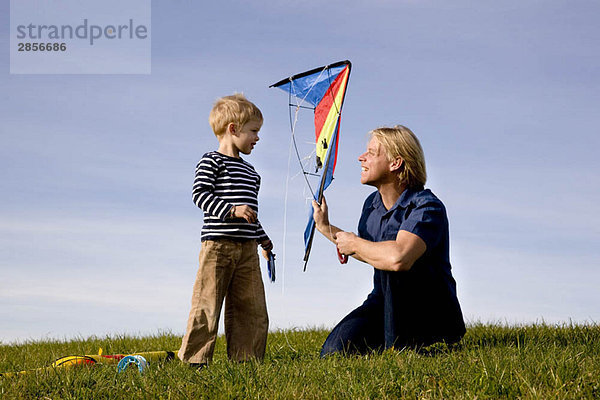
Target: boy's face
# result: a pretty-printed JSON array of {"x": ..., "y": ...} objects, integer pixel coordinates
[{"x": 246, "y": 137}]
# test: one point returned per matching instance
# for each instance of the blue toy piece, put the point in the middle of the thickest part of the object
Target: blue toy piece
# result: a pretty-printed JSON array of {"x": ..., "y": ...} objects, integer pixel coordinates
[
  {"x": 271, "y": 267},
  {"x": 139, "y": 361}
]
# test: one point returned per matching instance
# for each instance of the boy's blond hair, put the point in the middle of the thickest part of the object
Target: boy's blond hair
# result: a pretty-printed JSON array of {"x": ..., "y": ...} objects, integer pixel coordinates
[
  {"x": 235, "y": 109},
  {"x": 400, "y": 141}
]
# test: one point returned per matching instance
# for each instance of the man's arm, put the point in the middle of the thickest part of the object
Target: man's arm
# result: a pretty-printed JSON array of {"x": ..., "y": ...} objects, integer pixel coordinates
[
  {"x": 391, "y": 255},
  {"x": 321, "y": 217}
]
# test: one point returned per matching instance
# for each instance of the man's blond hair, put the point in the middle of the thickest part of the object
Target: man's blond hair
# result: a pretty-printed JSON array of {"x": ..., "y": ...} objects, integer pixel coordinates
[
  {"x": 235, "y": 109},
  {"x": 400, "y": 141}
]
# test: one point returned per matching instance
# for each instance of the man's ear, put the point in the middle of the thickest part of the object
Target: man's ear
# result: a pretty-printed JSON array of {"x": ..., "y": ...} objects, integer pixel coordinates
[{"x": 396, "y": 164}]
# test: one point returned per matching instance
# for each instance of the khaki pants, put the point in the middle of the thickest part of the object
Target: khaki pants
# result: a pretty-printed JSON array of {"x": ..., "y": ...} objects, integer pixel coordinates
[{"x": 228, "y": 270}]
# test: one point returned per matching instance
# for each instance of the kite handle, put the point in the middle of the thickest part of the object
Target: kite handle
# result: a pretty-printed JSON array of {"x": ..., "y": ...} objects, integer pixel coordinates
[
  {"x": 342, "y": 257},
  {"x": 271, "y": 267}
]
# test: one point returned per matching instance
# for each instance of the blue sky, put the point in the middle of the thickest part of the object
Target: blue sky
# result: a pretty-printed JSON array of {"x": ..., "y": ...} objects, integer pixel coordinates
[{"x": 98, "y": 234}]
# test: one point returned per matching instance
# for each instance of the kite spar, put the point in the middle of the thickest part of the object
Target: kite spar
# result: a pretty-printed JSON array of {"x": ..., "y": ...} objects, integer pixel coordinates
[{"x": 322, "y": 90}]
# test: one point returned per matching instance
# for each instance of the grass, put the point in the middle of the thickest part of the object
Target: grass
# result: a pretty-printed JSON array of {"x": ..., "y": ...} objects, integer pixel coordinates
[{"x": 493, "y": 362}]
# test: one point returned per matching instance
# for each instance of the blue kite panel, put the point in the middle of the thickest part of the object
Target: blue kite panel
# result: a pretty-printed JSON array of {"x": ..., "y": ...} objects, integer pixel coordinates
[{"x": 312, "y": 88}]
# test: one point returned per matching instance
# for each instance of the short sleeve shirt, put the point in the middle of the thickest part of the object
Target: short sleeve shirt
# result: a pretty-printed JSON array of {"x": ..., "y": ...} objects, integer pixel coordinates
[{"x": 419, "y": 305}]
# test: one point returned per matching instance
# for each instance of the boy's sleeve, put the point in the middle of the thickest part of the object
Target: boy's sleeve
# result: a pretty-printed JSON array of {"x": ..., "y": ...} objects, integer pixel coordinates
[
  {"x": 262, "y": 235},
  {"x": 204, "y": 187}
]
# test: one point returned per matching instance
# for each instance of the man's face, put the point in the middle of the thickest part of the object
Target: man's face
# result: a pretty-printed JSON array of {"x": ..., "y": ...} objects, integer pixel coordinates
[
  {"x": 374, "y": 165},
  {"x": 247, "y": 136}
]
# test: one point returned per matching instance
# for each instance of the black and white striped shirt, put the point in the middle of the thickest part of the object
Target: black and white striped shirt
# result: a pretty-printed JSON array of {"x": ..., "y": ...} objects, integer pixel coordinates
[{"x": 220, "y": 183}]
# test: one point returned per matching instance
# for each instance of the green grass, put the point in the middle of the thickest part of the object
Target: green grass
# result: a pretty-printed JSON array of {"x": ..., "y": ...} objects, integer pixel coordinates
[{"x": 494, "y": 361}]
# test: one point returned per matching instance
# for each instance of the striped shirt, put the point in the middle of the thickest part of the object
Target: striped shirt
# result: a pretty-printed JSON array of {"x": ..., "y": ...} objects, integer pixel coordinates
[{"x": 220, "y": 183}]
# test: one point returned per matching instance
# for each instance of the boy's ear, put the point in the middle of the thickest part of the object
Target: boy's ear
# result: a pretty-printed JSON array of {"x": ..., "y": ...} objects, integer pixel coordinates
[
  {"x": 232, "y": 128},
  {"x": 396, "y": 164}
]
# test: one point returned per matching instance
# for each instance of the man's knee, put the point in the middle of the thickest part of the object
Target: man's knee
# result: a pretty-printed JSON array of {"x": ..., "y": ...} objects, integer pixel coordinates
[{"x": 333, "y": 345}]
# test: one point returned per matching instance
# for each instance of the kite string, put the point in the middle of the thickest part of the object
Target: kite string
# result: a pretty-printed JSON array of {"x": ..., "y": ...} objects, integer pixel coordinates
[
  {"x": 293, "y": 129},
  {"x": 284, "y": 239},
  {"x": 285, "y": 213}
]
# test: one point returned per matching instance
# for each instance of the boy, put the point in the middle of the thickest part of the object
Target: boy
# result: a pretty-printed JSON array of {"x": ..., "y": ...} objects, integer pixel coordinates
[{"x": 226, "y": 189}]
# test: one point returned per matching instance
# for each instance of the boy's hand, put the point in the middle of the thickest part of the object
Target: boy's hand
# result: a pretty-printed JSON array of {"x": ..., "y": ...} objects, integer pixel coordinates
[
  {"x": 267, "y": 246},
  {"x": 246, "y": 212}
]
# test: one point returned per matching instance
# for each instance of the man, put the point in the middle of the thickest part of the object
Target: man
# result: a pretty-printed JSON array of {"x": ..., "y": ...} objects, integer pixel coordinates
[{"x": 403, "y": 234}]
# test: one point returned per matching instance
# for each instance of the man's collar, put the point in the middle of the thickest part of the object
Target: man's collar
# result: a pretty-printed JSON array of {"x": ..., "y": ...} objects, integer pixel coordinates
[
  {"x": 405, "y": 198},
  {"x": 403, "y": 201}
]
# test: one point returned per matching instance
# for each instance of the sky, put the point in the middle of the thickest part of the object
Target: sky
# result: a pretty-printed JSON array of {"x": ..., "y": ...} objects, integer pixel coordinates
[{"x": 98, "y": 233}]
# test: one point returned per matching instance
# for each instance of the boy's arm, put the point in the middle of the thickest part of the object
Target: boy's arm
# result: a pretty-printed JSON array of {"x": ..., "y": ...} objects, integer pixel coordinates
[
  {"x": 203, "y": 190},
  {"x": 263, "y": 238},
  {"x": 262, "y": 235},
  {"x": 264, "y": 241}
]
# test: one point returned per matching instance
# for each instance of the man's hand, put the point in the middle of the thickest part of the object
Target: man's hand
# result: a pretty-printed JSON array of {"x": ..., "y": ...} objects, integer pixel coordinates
[
  {"x": 267, "y": 246},
  {"x": 320, "y": 214},
  {"x": 321, "y": 217},
  {"x": 246, "y": 212},
  {"x": 345, "y": 242}
]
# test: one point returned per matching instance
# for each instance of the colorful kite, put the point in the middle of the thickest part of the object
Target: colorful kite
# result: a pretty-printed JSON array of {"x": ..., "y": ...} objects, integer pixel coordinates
[{"x": 322, "y": 90}]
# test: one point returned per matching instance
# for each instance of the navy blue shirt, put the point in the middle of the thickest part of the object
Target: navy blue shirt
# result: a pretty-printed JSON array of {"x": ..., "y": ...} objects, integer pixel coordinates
[{"x": 419, "y": 306}]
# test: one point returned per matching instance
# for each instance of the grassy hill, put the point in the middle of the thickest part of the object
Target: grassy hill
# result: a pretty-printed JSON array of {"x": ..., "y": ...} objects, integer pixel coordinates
[{"x": 532, "y": 362}]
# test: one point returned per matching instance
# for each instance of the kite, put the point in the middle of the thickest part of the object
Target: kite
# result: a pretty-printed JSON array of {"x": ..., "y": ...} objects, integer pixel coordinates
[
  {"x": 321, "y": 90},
  {"x": 93, "y": 359}
]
